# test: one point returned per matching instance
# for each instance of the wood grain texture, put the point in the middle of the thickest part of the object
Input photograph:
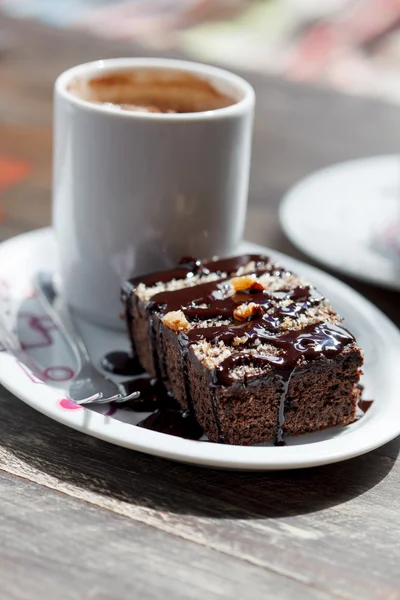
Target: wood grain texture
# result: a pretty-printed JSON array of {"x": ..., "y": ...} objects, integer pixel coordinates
[
  {"x": 65, "y": 549},
  {"x": 81, "y": 518},
  {"x": 320, "y": 527}
]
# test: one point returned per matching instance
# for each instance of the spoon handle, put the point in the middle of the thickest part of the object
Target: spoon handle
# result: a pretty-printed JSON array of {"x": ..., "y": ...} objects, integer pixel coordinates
[{"x": 47, "y": 294}]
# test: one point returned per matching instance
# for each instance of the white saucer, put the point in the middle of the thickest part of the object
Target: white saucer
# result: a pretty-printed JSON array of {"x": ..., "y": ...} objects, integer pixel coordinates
[
  {"x": 21, "y": 257},
  {"x": 346, "y": 217}
]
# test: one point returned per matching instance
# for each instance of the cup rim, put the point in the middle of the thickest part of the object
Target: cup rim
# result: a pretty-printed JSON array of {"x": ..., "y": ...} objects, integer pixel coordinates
[{"x": 113, "y": 64}]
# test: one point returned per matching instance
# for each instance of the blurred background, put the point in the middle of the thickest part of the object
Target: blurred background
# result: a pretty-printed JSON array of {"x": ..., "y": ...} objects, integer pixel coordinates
[{"x": 349, "y": 45}]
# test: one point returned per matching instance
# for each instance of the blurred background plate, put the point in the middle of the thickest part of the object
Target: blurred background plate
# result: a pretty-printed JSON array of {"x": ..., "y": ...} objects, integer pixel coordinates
[{"x": 348, "y": 218}]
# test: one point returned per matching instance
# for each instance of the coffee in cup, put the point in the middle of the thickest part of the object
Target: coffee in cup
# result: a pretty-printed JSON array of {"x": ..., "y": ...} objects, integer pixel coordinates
[{"x": 151, "y": 90}]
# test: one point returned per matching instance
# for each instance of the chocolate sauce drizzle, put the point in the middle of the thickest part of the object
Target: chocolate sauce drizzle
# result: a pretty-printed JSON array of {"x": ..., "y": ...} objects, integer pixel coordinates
[
  {"x": 364, "y": 405},
  {"x": 153, "y": 395},
  {"x": 173, "y": 422},
  {"x": 166, "y": 415},
  {"x": 214, "y": 300},
  {"x": 121, "y": 363}
]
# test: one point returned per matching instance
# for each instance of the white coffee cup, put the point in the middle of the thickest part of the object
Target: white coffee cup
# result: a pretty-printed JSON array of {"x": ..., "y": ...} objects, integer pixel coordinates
[{"x": 135, "y": 191}]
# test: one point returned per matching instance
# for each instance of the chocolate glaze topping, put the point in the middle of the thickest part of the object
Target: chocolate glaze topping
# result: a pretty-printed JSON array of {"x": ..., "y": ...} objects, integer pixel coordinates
[
  {"x": 189, "y": 266},
  {"x": 310, "y": 342},
  {"x": 213, "y": 300}
]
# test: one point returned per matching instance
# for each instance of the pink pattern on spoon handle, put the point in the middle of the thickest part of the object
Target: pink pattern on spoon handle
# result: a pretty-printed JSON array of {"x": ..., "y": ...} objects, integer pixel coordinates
[{"x": 42, "y": 325}]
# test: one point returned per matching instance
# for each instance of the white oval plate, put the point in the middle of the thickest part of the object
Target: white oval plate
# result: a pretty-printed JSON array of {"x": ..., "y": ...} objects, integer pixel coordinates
[
  {"x": 346, "y": 217},
  {"x": 22, "y": 256}
]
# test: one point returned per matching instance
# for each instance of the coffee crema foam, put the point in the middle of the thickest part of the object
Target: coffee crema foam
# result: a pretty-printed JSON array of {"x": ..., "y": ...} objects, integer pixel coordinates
[{"x": 151, "y": 90}]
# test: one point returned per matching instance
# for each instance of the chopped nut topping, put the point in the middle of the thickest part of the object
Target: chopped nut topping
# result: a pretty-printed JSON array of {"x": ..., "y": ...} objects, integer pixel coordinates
[
  {"x": 244, "y": 311},
  {"x": 246, "y": 282},
  {"x": 176, "y": 320},
  {"x": 240, "y": 340}
]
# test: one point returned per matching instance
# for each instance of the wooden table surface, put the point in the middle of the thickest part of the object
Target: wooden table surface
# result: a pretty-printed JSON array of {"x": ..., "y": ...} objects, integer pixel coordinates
[{"x": 80, "y": 518}]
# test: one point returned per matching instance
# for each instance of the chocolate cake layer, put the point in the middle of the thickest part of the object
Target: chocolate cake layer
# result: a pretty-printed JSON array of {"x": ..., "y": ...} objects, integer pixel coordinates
[{"x": 253, "y": 350}]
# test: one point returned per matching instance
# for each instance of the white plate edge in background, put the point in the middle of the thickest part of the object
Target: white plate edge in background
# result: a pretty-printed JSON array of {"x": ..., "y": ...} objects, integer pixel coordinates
[{"x": 291, "y": 206}]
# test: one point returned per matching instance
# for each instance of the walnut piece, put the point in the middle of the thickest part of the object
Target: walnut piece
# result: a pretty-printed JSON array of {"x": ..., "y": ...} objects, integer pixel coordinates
[
  {"x": 246, "y": 282},
  {"x": 176, "y": 320},
  {"x": 244, "y": 311}
]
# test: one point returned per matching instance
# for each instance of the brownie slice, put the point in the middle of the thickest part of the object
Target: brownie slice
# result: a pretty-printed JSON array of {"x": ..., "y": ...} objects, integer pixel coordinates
[
  {"x": 143, "y": 318},
  {"x": 253, "y": 350}
]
